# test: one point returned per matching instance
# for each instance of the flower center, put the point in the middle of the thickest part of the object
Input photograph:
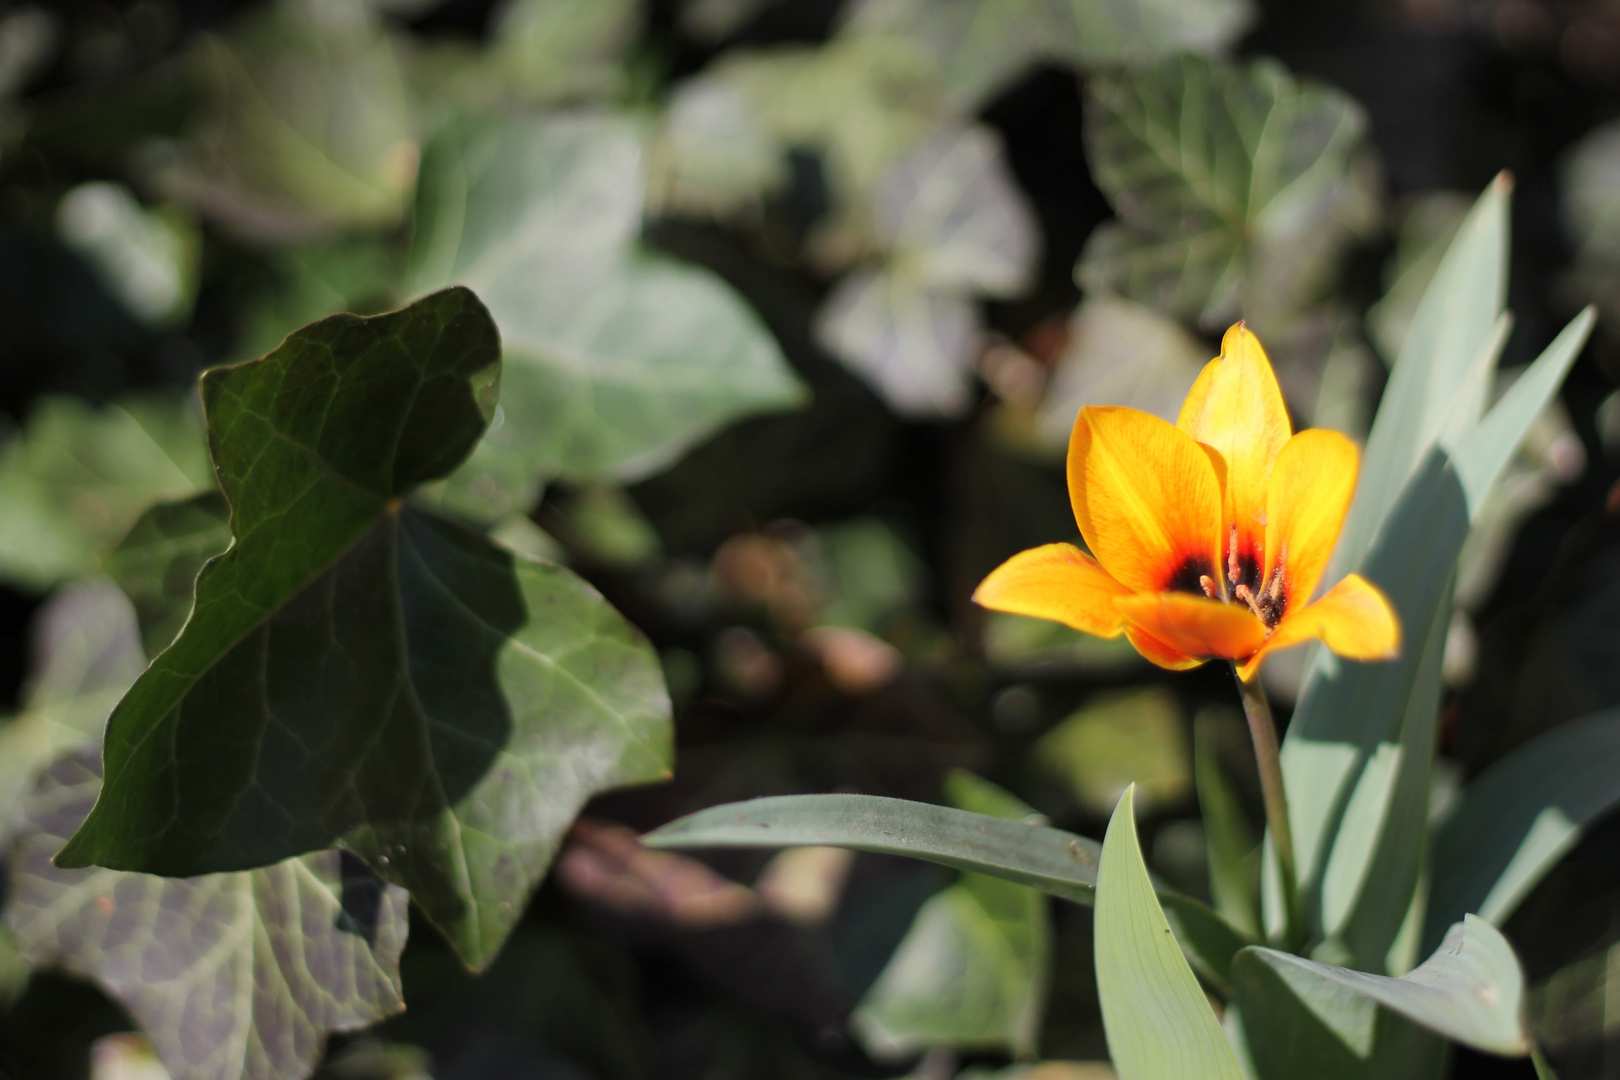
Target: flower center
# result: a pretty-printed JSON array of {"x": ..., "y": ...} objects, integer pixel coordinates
[{"x": 1267, "y": 601}]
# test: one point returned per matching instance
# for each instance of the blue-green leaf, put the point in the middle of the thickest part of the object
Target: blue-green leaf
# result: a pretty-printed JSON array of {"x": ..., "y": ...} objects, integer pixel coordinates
[
  {"x": 1471, "y": 990},
  {"x": 1519, "y": 818},
  {"x": 1158, "y": 1021}
]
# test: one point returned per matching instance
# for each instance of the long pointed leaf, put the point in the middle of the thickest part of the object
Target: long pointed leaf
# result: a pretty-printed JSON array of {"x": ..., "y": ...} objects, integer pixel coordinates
[
  {"x": 1158, "y": 1021},
  {"x": 1044, "y": 858},
  {"x": 1470, "y": 990},
  {"x": 1519, "y": 818}
]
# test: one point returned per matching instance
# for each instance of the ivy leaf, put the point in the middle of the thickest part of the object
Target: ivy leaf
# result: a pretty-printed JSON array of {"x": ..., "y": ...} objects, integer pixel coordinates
[
  {"x": 616, "y": 361},
  {"x": 232, "y": 976},
  {"x": 86, "y": 654},
  {"x": 157, "y": 562},
  {"x": 305, "y": 127},
  {"x": 1236, "y": 187},
  {"x": 356, "y": 670},
  {"x": 982, "y": 45},
  {"x": 146, "y": 258},
  {"x": 76, "y": 477},
  {"x": 951, "y": 218}
]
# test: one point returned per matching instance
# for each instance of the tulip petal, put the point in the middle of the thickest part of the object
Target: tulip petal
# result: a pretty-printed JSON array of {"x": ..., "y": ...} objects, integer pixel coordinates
[
  {"x": 1194, "y": 625},
  {"x": 1236, "y": 407},
  {"x": 1146, "y": 498},
  {"x": 1058, "y": 582},
  {"x": 1158, "y": 652},
  {"x": 1311, "y": 485},
  {"x": 1353, "y": 619}
]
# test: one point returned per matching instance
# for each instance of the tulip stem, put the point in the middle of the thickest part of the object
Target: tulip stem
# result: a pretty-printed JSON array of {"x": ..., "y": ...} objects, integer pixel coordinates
[{"x": 1263, "y": 730}]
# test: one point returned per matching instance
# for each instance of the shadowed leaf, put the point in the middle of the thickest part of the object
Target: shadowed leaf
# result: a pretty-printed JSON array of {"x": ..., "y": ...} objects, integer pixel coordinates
[
  {"x": 157, "y": 562},
  {"x": 358, "y": 671},
  {"x": 1471, "y": 990},
  {"x": 232, "y": 976}
]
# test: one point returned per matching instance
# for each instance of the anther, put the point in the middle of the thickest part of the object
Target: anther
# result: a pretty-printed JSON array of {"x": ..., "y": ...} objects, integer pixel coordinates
[
  {"x": 1242, "y": 593},
  {"x": 1233, "y": 571},
  {"x": 1208, "y": 585}
]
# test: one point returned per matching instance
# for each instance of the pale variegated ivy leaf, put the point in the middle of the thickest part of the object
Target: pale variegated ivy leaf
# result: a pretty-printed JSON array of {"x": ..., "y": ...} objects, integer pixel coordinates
[
  {"x": 234, "y": 976},
  {"x": 954, "y": 225},
  {"x": 1236, "y": 186},
  {"x": 1119, "y": 353},
  {"x": 86, "y": 654},
  {"x": 982, "y": 45},
  {"x": 912, "y": 343},
  {"x": 952, "y": 213}
]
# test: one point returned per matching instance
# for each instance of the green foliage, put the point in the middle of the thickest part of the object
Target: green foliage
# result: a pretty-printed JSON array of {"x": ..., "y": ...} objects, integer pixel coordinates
[
  {"x": 157, "y": 562},
  {"x": 1158, "y": 1021},
  {"x": 87, "y": 653},
  {"x": 77, "y": 476},
  {"x": 419, "y": 654},
  {"x": 1360, "y": 750},
  {"x": 1236, "y": 188},
  {"x": 1519, "y": 818},
  {"x": 616, "y": 360},
  {"x": 306, "y": 126},
  {"x": 234, "y": 976},
  {"x": 1117, "y": 741},
  {"x": 980, "y": 45},
  {"x": 972, "y": 971}
]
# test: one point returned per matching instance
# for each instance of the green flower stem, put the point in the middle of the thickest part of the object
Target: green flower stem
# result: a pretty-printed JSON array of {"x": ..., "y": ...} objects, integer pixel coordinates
[{"x": 1263, "y": 731}]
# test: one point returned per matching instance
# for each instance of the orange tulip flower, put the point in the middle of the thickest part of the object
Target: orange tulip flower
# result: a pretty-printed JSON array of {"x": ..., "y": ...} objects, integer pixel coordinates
[{"x": 1207, "y": 537}]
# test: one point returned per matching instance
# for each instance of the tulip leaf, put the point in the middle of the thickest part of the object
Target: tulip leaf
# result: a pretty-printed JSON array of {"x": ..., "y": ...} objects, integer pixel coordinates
[
  {"x": 235, "y": 976},
  {"x": 1361, "y": 745},
  {"x": 1236, "y": 187},
  {"x": 982, "y": 45},
  {"x": 1437, "y": 371},
  {"x": 87, "y": 654},
  {"x": 1518, "y": 819},
  {"x": 1051, "y": 860},
  {"x": 1470, "y": 990},
  {"x": 157, "y": 562},
  {"x": 1158, "y": 1021},
  {"x": 305, "y": 127},
  {"x": 616, "y": 361},
  {"x": 77, "y": 476},
  {"x": 358, "y": 671},
  {"x": 972, "y": 971}
]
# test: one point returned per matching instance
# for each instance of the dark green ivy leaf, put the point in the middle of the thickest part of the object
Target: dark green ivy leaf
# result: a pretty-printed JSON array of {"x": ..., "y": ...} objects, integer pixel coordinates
[
  {"x": 157, "y": 562},
  {"x": 358, "y": 671},
  {"x": 232, "y": 976}
]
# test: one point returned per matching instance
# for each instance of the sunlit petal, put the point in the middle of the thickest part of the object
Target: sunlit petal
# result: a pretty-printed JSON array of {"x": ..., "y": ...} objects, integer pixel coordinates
[
  {"x": 1310, "y": 490},
  {"x": 1146, "y": 498},
  {"x": 1353, "y": 619},
  {"x": 1194, "y": 625},
  {"x": 1158, "y": 652},
  {"x": 1058, "y": 582},
  {"x": 1237, "y": 408}
]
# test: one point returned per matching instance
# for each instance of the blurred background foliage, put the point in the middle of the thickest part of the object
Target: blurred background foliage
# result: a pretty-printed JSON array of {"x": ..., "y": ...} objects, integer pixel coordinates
[{"x": 799, "y": 299}]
